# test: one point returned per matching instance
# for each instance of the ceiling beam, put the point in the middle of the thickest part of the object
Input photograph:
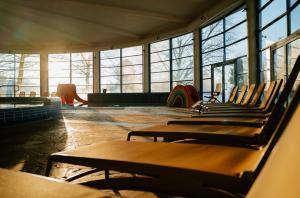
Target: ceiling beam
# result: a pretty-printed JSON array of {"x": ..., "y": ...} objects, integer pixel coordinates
[{"x": 140, "y": 13}]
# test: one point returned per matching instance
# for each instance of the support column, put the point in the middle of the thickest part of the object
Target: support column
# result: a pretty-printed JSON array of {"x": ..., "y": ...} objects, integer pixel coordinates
[
  {"x": 44, "y": 91},
  {"x": 146, "y": 69},
  {"x": 253, "y": 63},
  {"x": 197, "y": 66},
  {"x": 96, "y": 72}
]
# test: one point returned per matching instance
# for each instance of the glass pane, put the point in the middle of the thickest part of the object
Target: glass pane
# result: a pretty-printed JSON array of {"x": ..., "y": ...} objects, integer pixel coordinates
[
  {"x": 111, "y": 62},
  {"x": 212, "y": 29},
  {"x": 212, "y": 43},
  {"x": 229, "y": 80},
  {"x": 85, "y": 56},
  {"x": 182, "y": 40},
  {"x": 206, "y": 72},
  {"x": 218, "y": 79},
  {"x": 161, "y": 66},
  {"x": 272, "y": 11},
  {"x": 110, "y": 80},
  {"x": 183, "y": 63},
  {"x": 295, "y": 22},
  {"x": 132, "y": 51},
  {"x": 293, "y": 52},
  {"x": 236, "y": 33},
  {"x": 129, "y": 79},
  {"x": 279, "y": 64},
  {"x": 242, "y": 80},
  {"x": 132, "y": 70},
  {"x": 263, "y": 2},
  {"x": 160, "y": 77},
  {"x": 182, "y": 52},
  {"x": 111, "y": 88},
  {"x": 159, "y": 46},
  {"x": 160, "y": 87},
  {"x": 110, "y": 54},
  {"x": 133, "y": 88},
  {"x": 235, "y": 18},
  {"x": 207, "y": 85},
  {"x": 212, "y": 57},
  {"x": 182, "y": 75},
  {"x": 237, "y": 50},
  {"x": 242, "y": 66},
  {"x": 267, "y": 37},
  {"x": 160, "y": 56},
  {"x": 292, "y": 2},
  {"x": 133, "y": 60}
]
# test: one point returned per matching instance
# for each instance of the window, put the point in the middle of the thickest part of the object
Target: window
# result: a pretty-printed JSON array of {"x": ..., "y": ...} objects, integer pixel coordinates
[
  {"x": 121, "y": 70},
  {"x": 19, "y": 73},
  {"x": 171, "y": 63},
  {"x": 222, "y": 41},
  {"x": 75, "y": 68},
  {"x": 277, "y": 20}
]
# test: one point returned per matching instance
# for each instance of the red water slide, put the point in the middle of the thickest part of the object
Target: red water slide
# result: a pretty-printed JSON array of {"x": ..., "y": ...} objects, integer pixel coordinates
[{"x": 67, "y": 93}]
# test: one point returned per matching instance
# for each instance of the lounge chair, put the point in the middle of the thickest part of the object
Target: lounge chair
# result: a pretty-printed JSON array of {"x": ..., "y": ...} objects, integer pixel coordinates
[
  {"x": 188, "y": 169},
  {"x": 22, "y": 94},
  {"x": 266, "y": 106},
  {"x": 32, "y": 94},
  {"x": 214, "y": 96},
  {"x": 251, "y": 105},
  {"x": 24, "y": 185},
  {"x": 240, "y": 98},
  {"x": 219, "y": 133}
]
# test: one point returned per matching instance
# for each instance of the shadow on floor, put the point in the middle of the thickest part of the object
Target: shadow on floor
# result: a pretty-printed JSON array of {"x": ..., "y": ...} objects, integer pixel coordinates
[{"x": 26, "y": 146}]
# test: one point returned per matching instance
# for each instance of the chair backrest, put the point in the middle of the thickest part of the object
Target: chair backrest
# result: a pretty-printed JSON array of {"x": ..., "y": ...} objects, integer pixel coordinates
[
  {"x": 279, "y": 169},
  {"x": 249, "y": 95},
  {"x": 278, "y": 108},
  {"x": 22, "y": 94},
  {"x": 233, "y": 94},
  {"x": 268, "y": 94},
  {"x": 32, "y": 94},
  {"x": 242, "y": 94},
  {"x": 257, "y": 95},
  {"x": 218, "y": 88},
  {"x": 270, "y": 103}
]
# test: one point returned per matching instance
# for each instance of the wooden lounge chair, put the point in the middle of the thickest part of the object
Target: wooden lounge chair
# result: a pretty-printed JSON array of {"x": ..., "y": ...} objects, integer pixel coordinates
[
  {"x": 251, "y": 105},
  {"x": 199, "y": 104},
  {"x": 241, "y": 100},
  {"x": 267, "y": 104},
  {"x": 220, "y": 133},
  {"x": 24, "y": 185},
  {"x": 22, "y": 94},
  {"x": 32, "y": 94},
  {"x": 263, "y": 114},
  {"x": 279, "y": 176},
  {"x": 188, "y": 169},
  {"x": 214, "y": 96}
]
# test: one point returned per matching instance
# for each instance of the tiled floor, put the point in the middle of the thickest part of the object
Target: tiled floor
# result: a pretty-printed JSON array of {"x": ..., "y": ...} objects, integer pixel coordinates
[{"x": 26, "y": 147}]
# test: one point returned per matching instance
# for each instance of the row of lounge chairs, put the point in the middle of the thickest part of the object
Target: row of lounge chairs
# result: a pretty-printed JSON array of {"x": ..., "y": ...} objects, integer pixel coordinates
[
  {"x": 229, "y": 159},
  {"x": 225, "y": 162},
  {"x": 31, "y": 94}
]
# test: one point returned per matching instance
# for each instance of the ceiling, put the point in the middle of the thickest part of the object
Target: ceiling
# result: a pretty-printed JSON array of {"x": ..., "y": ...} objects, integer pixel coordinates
[{"x": 86, "y": 24}]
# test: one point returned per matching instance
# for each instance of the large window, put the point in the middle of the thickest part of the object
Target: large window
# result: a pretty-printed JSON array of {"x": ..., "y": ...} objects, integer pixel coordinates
[
  {"x": 121, "y": 70},
  {"x": 171, "y": 63},
  {"x": 277, "y": 20},
  {"x": 76, "y": 68},
  {"x": 221, "y": 41},
  {"x": 19, "y": 75}
]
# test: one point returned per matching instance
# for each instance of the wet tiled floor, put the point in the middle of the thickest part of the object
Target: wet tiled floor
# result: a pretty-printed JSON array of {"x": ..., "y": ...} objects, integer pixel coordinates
[{"x": 26, "y": 147}]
